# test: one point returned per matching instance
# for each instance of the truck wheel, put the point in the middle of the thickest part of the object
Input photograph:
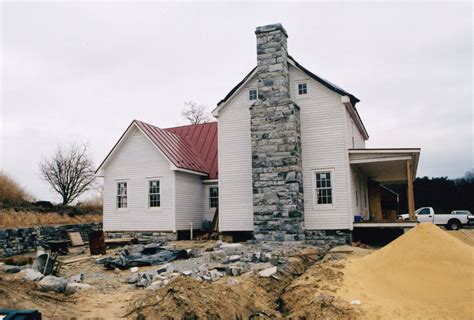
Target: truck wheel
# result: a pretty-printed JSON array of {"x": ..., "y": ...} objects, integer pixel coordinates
[{"x": 454, "y": 224}]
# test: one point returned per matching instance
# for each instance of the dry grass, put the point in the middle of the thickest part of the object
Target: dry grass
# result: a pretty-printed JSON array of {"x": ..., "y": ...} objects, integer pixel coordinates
[
  {"x": 12, "y": 218},
  {"x": 11, "y": 191},
  {"x": 93, "y": 204}
]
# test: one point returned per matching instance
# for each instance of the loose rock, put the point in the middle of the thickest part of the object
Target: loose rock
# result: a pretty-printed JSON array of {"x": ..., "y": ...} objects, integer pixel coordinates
[
  {"x": 268, "y": 272},
  {"x": 75, "y": 287},
  {"x": 30, "y": 274},
  {"x": 52, "y": 283}
]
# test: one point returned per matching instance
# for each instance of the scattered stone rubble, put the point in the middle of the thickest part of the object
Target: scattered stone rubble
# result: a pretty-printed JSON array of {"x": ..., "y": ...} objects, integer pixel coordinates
[
  {"x": 212, "y": 264},
  {"x": 223, "y": 259}
]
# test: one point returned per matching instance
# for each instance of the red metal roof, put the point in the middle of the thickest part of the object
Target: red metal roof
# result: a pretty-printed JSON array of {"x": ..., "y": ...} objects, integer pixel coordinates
[{"x": 192, "y": 147}]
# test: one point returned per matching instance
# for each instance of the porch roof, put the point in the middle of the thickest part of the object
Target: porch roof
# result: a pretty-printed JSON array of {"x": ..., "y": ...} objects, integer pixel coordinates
[{"x": 385, "y": 165}]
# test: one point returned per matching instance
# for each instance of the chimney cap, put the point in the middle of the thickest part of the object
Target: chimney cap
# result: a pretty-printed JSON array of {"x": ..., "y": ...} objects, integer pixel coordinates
[{"x": 270, "y": 28}]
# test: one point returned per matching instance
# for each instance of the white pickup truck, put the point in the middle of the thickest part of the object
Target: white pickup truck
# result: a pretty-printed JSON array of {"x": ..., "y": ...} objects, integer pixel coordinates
[{"x": 453, "y": 221}]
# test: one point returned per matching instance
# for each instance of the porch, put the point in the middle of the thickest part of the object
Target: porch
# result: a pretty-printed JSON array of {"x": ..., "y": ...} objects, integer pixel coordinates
[{"x": 383, "y": 167}]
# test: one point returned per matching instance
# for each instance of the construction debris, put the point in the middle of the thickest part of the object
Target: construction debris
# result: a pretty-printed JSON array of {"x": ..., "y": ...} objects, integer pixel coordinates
[
  {"x": 153, "y": 254},
  {"x": 75, "y": 238}
]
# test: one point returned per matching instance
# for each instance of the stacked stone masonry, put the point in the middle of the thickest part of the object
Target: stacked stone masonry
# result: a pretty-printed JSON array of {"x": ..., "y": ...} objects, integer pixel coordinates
[
  {"x": 144, "y": 236},
  {"x": 276, "y": 144},
  {"x": 15, "y": 241},
  {"x": 328, "y": 238}
]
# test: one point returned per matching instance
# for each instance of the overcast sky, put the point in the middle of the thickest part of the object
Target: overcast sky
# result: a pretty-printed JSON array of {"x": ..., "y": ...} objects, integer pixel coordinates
[{"x": 82, "y": 71}]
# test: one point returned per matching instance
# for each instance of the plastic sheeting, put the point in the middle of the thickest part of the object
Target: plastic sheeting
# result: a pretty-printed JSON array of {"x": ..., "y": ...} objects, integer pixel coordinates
[{"x": 146, "y": 256}]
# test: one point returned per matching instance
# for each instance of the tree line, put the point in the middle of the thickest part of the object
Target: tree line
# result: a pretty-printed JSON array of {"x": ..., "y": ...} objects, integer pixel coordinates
[{"x": 441, "y": 193}]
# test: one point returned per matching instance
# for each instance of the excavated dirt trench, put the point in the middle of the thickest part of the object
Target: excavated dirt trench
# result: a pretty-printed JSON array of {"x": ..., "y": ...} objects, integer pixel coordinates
[{"x": 301, "y": 290}]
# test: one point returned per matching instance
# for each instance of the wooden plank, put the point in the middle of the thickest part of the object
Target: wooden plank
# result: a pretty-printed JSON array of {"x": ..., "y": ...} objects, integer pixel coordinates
[
  {"x": 75, "y": 238},
  {"x": 75, "y": 260}
]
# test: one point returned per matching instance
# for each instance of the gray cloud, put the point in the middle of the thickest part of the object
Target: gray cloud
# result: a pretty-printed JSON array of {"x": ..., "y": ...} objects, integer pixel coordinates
[{"x": 82, "y": 71}]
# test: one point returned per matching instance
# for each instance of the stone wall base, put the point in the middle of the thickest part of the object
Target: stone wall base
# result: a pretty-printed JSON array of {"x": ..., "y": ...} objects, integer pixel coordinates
[
  {"x": 15, "y": 241},
  {"x": 328, "y": 238},
  {"x": 143, "y": 236}
]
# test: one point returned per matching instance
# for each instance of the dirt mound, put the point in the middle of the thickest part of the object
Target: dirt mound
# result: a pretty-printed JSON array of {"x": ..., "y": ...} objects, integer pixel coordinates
[
  {"x": 426, "y": 271},
  {"x": 186, "y": 298},
  {"x": 295, "y": 292},
  {"x": 313, "y": 294},
  {"x": 11, "y": 218}
]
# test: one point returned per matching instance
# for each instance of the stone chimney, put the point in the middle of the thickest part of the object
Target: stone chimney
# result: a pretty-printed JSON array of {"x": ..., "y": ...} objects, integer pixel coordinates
[{"x": 276, "y": 144}]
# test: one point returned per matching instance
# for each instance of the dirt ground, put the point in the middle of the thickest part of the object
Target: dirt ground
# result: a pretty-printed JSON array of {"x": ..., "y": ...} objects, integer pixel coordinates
[
  {"x": 395, "y": 282},
  {"x": 11, "y": 218}
]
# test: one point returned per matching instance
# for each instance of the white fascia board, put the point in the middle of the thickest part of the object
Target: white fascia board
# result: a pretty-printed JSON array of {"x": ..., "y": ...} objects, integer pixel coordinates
[
  {"x": 374, "y": 160},
  {"x": 215, "y": 112},
  {"x": 346, "y": 101},
  {"x": 211, "y": 181},
  {"x": 375, "y": 150},
  {"x": 117, "y": 146},
  {"x": 175, "y": 168}
]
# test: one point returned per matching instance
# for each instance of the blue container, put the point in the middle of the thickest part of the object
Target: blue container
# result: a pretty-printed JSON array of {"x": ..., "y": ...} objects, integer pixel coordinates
[{"x": 357, "y": 218}]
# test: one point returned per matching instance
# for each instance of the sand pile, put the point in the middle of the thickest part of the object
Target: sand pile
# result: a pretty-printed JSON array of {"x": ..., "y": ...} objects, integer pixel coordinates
[{"x": 425, "y": 270}]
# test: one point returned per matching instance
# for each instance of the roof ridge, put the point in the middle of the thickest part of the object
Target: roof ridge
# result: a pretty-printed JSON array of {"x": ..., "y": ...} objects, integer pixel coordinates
[
  {"x": 190, "y": 125},
  {"x": 194, "y": 157}
]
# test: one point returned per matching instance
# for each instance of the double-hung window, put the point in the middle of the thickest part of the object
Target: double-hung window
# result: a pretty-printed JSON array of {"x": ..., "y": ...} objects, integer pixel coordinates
[
  {"x": 154, "y": 195},
  {"x": 121, "y": 195},
  {"x": 213, "y": 197},
  {"x": 253, "y": 94},
  {"x": 324, "y": 187}
]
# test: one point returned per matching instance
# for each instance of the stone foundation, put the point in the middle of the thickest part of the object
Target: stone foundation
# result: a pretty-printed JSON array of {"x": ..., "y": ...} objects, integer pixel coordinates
[
  {"x": 15, "y": 241},
  {"x": 143, "y": 236},
  {"x": 328, "y": 238}
]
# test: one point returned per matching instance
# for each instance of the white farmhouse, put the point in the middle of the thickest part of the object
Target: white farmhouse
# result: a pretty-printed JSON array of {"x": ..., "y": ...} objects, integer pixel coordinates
[{"x": 286, "y": 161}]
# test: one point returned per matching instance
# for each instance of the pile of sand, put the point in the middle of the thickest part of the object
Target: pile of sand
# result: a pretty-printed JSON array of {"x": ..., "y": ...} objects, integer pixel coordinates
[{"x": 425, "y": 272}]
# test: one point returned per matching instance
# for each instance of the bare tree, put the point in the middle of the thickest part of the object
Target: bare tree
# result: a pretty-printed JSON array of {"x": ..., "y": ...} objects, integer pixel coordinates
[
  {"x": 469, "y": 176},
  {"x": 70, "y": 172},
  {"x": 196, "y": 113}
]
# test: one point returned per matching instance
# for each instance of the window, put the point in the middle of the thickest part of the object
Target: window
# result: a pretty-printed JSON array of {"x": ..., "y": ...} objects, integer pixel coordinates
[
  {"x": 424, "y": 211},
  {"x": 213, "y": 197},
  {"x": 253, "y": 95},
  {"x": 121, "y": 195},
  {"x": 154, "y": 200},
  {"x": 302, "y": 88},
  {"x": 323, "y": 188}
]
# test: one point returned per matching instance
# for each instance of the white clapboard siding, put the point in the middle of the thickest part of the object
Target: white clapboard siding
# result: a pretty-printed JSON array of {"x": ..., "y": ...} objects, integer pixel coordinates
[
  {"x": 324, "y": 145},
  {"x": 235, "y": 165},
  {"x": 353, "y": 132},
  {"x": 189, "y": 201},
  {"x": 136, "y": 161}
]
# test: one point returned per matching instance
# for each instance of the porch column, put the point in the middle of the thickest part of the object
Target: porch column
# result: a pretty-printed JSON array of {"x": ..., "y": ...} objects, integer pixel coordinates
[{"x": 410, "y": 193}]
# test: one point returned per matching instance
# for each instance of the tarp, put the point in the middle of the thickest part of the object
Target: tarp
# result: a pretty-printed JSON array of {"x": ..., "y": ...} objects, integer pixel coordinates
[{"x": 146, "y": 256}]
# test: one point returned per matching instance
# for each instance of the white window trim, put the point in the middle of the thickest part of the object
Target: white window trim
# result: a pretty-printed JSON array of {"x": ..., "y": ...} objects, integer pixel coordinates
[
  {"x": 117, "y": 209},
  {"x": 248, "y": 93},
  {"x": 208, "y": 195},
  {"x": 302, "y": 96},
  {"x": 148, "y": 194},
  {"x": 298, "y": 88},
  {"x": 326, "y": 206}
]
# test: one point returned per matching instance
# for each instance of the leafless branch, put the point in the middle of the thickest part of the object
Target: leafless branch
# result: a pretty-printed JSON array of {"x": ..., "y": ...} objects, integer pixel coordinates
[
  {"x": 196, "y": 113},
  {"x": 69, "y": 172}
]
